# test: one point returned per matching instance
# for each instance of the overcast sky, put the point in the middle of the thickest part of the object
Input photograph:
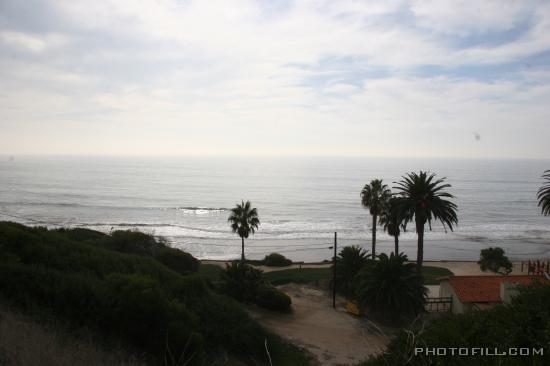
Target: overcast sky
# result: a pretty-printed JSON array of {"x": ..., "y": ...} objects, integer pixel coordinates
[{"x": 402, "y": 78}]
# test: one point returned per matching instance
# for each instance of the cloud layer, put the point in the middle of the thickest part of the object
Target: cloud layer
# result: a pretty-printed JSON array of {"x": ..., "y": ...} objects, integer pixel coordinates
[{"x": 395, "y": 78}]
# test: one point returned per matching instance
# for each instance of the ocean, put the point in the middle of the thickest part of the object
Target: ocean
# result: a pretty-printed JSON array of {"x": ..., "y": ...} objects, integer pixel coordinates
[{"x": 301, "y": 202}]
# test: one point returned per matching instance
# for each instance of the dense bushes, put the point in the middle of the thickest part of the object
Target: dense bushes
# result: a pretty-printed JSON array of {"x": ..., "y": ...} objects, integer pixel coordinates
[
  {"x": 246, "y": 284},
  {"x": 127, "y": 297},
  {"x": 135, "y": 242},
  {"x": 524, "y": 323},
  {"x": 276, "y": 260},
  {"x": 241, "y": 281},
  {"x": 181, "y": 262},
  {"x": 270, "y": 298}
]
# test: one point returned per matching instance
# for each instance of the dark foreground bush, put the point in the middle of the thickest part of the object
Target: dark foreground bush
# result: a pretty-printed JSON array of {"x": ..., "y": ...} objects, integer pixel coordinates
[
  {"x": 132, "y": 299},
  {"x": 270, "y": 298},
  {"x": 138, "y": 243},
  {"x": 246, "y": 284},
  {"x": 241, "y": 281},
  {"x": 276, "y": 260},
  {"x": 177, "y": 260}
]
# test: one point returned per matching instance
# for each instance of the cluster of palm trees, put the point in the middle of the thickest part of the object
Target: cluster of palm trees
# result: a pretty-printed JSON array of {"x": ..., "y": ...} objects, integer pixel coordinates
[{"x": 419, "y": 197}]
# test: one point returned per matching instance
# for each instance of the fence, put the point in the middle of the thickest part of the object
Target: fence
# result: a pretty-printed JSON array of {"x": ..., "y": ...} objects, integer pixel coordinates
[{"x": 439, "y": 304}]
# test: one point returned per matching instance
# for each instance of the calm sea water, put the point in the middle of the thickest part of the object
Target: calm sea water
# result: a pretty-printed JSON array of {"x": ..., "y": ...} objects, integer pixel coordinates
[{"x": 301, "y": 202}]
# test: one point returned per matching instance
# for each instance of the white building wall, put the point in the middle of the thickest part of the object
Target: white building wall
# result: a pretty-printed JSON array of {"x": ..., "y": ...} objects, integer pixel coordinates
[{"x": 446, "y": 290}]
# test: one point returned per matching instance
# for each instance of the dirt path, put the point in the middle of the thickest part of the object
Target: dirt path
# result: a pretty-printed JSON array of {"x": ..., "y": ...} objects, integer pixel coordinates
[{"x": 334, "y": 337}]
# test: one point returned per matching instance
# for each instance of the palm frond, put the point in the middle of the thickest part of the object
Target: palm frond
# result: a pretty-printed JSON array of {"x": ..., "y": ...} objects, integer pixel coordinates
[
  {"x": 243, "y": 219},
  {"x": 543, "y": 195}
]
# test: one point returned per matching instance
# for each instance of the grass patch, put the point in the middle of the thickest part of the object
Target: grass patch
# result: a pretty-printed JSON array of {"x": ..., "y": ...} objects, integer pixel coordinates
[
  {"x": 296, "y": 275},
  {"x": 431, "y": 274}
]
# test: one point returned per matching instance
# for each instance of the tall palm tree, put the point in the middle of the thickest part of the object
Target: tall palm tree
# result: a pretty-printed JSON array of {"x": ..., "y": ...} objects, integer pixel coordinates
[
  {"x": 374, "y": 196},
  {"x": 544, "y": 194},
  {"x": 244, "y": 220},
  {"x": 392, "y": 221},
  {"x": 422, "y": 197}
]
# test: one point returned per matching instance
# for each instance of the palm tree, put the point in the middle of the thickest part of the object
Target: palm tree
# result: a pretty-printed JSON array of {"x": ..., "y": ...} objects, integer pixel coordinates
[
  {"x": 391, "y": 221},
  {"x": 391, "y": 288},
  {"x": 244, "y": 220},
  {"x": 422, "y": 197},
  {"x": 349, "y": 262},
  {"x": 374, "y": 196},
  {"x": 544, "y": 194}
]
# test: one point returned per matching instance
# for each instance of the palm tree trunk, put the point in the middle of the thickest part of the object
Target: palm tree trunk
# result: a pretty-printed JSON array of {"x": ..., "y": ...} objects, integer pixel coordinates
[
  {"x": 396, "y": 240},
  {"x": 242, "y": 253},
  {"x": 373, "y": 236},
  {"x": 420, "y": 249}
]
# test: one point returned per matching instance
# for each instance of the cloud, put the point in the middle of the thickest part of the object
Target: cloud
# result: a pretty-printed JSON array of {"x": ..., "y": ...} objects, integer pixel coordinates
[
  {"x": 286, "y": 77},
  {"x": 34, "y": 43}
]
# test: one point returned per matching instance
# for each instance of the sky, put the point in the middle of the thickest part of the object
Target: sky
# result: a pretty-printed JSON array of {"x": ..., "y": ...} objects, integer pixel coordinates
[{"x": 442, "y": 78}]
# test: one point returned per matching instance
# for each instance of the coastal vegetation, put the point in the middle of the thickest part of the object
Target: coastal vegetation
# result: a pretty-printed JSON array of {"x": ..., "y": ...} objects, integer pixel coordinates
[
  {"x": 276, "y": 260},
  {"x": 525, "y": 323},
  {"x": 246, "y": 284},
  {"x": 392, "y": 221},
  {"x": 543, "y": 195},
  {"x": 422, "y": 198},
  {"x": 89, "y": 280},
  {"x": 373, "y": 196},
  {"x": 349, "y": 262},
  {"x": 391, "y": 289},
  {"x": 494, "y": 260},
  {"x": 244, "y": 221}
]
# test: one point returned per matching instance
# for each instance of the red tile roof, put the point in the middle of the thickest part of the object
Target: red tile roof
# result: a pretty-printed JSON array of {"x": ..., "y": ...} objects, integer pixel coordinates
[{"x": 485, "y": 288}]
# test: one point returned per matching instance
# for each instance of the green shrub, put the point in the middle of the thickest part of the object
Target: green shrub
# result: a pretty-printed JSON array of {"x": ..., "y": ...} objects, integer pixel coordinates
[
  {"x": 177, "y": 260},
  {"x": 276, "y": 260},
  {"x": 140, "y": 311},
  {"x": 133, "y": 242},
  {"x": 241, "y": 281},
  {"x": 270, "y": 298}
]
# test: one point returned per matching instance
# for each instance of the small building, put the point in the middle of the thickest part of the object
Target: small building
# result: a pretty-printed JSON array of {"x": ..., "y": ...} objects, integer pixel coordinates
[{"x": 482, "y": 292}]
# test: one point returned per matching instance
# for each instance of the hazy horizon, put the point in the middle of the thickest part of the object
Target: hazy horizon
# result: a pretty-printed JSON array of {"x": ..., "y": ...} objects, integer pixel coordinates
[{"x": 275, "y": 78}]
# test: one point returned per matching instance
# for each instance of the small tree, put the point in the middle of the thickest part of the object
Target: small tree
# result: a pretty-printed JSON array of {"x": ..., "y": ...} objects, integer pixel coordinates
[
  {"x": 349, "y": 262},
  {"x": 494, "y": 260}
]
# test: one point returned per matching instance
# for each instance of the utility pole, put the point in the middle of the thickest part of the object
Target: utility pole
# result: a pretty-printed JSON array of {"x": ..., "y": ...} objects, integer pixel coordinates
[{"x": 334, "y": 273}]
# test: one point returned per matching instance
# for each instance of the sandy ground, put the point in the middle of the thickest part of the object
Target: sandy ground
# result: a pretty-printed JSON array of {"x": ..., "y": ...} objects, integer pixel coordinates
[{"x": 334, "y": 337}]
